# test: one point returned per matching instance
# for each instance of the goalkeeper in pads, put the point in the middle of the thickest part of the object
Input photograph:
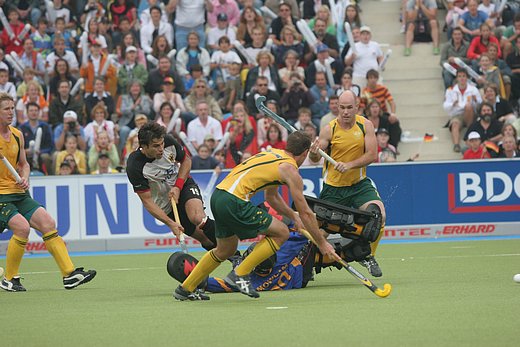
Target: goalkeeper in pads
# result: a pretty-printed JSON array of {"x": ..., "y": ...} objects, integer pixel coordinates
[
  {"x": 295, "y": 263},
  {"x": 237, "y": 218}
]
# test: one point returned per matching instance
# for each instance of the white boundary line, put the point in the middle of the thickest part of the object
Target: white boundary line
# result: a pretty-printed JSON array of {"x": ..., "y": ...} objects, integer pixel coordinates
[{"x": 400, "y": 259}]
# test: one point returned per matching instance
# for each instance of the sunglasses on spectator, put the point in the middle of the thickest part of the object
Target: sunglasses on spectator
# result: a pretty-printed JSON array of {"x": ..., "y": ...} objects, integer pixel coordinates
[{"x": 262, "y": 85}]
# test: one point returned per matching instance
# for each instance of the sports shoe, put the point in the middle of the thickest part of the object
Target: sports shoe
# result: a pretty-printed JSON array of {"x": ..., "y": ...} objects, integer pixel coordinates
[
  {"x": 78, "y": 277},
  {"x": 407, "y": 52},
  {"x": 456, "y": 148},
  {"x": 182, "y": 294},
  {"x": 436, "y": 51},
  {"x": 373, "y": 267},
  {"x": 241, "y": 283},
  {"x": 12, "y": 285}
]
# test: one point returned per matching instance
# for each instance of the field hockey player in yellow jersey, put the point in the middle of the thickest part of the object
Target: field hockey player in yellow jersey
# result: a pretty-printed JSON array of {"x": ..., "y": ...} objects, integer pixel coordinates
[
  {"x": 237, "y": 218},
  {"x": 351, "y": 140},
  {"x": 19, "y": 212}
]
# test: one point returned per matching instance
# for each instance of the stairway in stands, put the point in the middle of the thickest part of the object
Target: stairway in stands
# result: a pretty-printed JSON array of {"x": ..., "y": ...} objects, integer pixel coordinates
[{"x": 415, "y": 83}]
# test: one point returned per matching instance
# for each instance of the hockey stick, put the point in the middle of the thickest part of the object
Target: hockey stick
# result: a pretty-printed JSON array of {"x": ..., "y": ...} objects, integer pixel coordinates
[
  {"x": 182, "y": 240},
  {"x": 382, "y": 293},
  {"x": 259, "y": 101},
  {"x": 10, "y": 168}
]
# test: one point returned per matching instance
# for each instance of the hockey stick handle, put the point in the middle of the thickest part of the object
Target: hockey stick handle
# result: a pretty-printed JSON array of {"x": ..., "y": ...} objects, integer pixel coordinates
[
  {"x": 10, "y": 168},
  {"x": 259, "y": 102},
  {"x": 182, "y": 239},
  {"x": 382, "y": 293}
]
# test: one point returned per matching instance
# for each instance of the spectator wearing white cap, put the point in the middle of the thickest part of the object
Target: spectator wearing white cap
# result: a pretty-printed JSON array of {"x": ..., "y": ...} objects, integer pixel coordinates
[
  {"x": 368, "y": 56},
  {"x": 131, "y": 70},
  {"x": 70, "y": 126},
  {"x": 476, "y": 150}
]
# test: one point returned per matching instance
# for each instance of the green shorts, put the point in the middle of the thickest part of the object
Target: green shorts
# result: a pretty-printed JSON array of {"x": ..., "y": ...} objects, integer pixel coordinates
[
  {"x": 11, "y": 204},
  {"x": 234, "y": 216},
  {"x": 351, "y": 196}
]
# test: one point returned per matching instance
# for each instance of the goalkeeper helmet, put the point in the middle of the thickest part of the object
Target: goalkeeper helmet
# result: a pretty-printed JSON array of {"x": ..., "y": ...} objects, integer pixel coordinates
[{"x": 265, "y": 267}]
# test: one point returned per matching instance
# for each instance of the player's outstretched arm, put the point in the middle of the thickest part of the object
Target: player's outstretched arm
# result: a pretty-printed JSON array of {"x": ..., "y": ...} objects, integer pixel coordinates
[
  {"x": 295, "y": 184},
  {"x": 157, "y": 212}
]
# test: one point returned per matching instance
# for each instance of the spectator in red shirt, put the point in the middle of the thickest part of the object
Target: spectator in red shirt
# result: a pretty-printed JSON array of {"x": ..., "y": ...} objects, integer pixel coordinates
[
  {"x": 476, "y": 150},
  {"x": 480, "y": 43},
  {"x": 274, "y": 139},
  {"x": 13, "y": 43}
]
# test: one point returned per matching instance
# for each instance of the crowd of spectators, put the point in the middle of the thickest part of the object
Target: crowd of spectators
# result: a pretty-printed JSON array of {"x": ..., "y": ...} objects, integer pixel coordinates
[
  {"x": 89, "y": 73},
  {"x": 481, "y": 74}
]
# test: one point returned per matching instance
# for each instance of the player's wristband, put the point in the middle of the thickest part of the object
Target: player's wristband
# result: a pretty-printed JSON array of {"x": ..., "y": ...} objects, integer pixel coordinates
[{"x": 179, "y": 183}]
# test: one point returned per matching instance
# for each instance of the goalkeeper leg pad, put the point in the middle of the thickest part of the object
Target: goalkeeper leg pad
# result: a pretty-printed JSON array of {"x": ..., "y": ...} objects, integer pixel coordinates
[{"x": 372, "y": 228}]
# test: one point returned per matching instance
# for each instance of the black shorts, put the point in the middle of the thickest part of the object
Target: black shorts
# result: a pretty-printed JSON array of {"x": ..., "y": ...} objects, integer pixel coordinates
[{"x": 190, "y": 191}]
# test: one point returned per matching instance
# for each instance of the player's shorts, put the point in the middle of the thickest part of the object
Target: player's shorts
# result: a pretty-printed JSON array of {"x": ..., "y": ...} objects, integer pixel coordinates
[
  {"x": 189, "y": 191},
  {"x": 234, "y": 216},
  {"x": 12, "y": 204},
  {"x": 352, "y": 196}
]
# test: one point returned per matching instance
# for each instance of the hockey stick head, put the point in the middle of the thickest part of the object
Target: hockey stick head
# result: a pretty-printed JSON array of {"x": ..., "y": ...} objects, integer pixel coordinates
[
  {"x": 383, "y": 293},
  {"x": 259, "y": 101}
]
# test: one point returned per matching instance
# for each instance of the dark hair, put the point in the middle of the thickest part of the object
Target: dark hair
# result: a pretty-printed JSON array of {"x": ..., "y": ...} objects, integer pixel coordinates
[
  {"x": 155, "y": 8},
  {"x": 150, "y": 131},
  {"x": 274, "y": 126},
  {"x": 298, "y": 142},
  {"x": 459, "y": 70},
  {"x": 224, "y": 39},
  {"x": 166, "y": 104},
  {"x": 372, "y": 73},
  {"x": 60, "y": 82},
  {"x": 67, "y": 72},
  {"x": 33, "y": 104}
]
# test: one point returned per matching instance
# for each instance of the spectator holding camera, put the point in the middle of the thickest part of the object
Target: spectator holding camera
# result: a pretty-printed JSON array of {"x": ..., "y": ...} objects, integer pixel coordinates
[
  {"x": 297, "y": 95},
  {"x": 75, "y": 158},
  {"x": 70, "y": 126}
]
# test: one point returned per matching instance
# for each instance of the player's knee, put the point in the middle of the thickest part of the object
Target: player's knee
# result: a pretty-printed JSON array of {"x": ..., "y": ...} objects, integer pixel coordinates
[
  {"x": 47, "y": 224},
  {"x": 20, "y": 227},
  {"x": 196, "y": 216}
]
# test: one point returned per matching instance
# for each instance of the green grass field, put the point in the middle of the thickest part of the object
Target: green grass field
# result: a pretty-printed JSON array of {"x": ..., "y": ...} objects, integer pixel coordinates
[{"x": 444, "y": 294}]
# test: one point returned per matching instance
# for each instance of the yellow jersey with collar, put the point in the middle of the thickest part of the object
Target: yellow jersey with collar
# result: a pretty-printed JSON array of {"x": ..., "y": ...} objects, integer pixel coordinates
[
  {"x": 11, "y": 151},
  {"x": 256, "y": 173},
  {"x": 345, "y": 145}
]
